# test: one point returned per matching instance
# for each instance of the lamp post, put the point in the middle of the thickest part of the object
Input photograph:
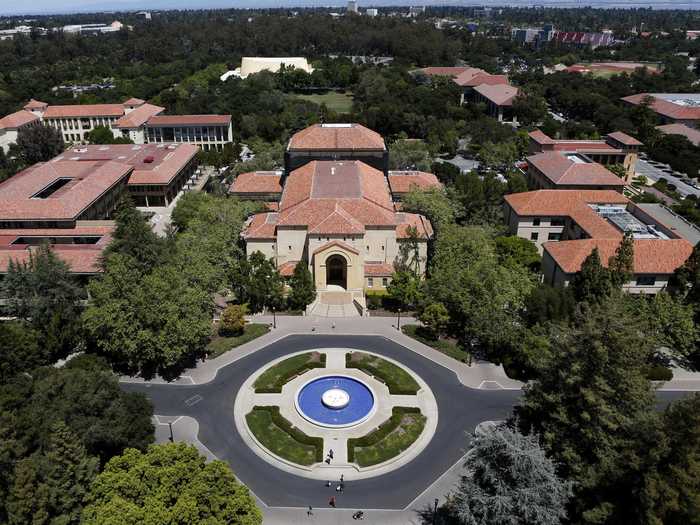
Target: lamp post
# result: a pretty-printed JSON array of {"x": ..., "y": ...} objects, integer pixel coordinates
[
  {"x": 170, "y": 425},
  {"x": 274, "y": 318},
  {"x": 435, "y": 504},
  {"x": 398, "y": 320}
]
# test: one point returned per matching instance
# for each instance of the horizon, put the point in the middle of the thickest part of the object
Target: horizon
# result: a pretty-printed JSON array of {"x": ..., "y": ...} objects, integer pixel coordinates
[{"x": 81, "y": 7}]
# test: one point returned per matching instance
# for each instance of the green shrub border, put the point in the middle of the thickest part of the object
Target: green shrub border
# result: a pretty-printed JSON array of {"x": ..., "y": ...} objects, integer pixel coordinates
[
  {"x": 283, "y": 380},
  {"x": 394, "y": 389},
  {"x": 381, "y": 431},
  {"x": 280, "y": 421}
]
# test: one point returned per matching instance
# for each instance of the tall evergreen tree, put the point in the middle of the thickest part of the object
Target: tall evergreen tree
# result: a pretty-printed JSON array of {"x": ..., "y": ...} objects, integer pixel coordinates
[
  {"x": 621, "y": 265},
  {"x": 592, "y": 284},
  {"x": 259, "y": 283},
  {"x": 303, "y": 287},
  {"x": 510, "y": 481}
]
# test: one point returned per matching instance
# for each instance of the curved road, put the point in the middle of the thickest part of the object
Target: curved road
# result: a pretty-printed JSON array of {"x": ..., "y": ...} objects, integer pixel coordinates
[{"x": 211, "y": 404}]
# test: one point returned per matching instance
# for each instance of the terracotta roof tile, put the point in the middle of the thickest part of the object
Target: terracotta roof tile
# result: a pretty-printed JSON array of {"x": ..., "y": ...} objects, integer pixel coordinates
[
  {"x": 562, "y": 170},
  {"x": 18, "y": 119},
  {"x": 84, "y": 110},
  {"x": 287, "y": 269},
  {"x": 624, "y": 138},
  {"x": 402, "y": 181},
  {"x": 189, "y": 120},
  {"x": 35, "y": 104},
  {"x": 404, "y": 221},
  {"x": 261, "y": 226},
  {"x": 139, "y": 116},
  {"x": 500, "y": 94},
  {"x": 482, "y": 79},
  {"x": 257, "y": 182},
  {"x": 651, "y": 256},
  {"x": 336, "y": 136},
  {"x": 83, "y": 261},
  {"x": 442, "y": 71},
  {"x": 666, "y": 108},
  {"x": 692, "y": 134},
  {"x": 378, "y": 269},
  {"x": 133, "y": 101}
]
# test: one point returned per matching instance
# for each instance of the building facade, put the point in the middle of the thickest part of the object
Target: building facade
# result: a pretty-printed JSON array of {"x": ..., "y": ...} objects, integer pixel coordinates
[
  {"x": 11, "y": 125},
  {"x": 205, "y": 131}
]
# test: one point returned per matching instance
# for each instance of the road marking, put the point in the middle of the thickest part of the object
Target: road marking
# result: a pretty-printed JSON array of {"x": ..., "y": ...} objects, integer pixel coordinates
[
  {"x": 487, "y": 385},
  {"x": 192, "y": 401}
]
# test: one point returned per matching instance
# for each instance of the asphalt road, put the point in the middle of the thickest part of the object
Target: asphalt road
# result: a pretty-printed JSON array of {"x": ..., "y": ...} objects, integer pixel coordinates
[{"x": 460, "y": 410}]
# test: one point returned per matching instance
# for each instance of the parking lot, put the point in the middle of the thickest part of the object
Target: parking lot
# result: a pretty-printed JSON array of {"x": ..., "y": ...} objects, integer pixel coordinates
[{"x": 658, "y": 171}]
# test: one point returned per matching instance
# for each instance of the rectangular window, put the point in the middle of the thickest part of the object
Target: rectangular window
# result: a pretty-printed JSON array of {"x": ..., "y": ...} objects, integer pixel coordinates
[
  {"x": 534, "y": 236},
  {"x": 554, "y": 236},
  {"x": 370, "y": 282},
  {"x": 385, "y": 281},
  {"x": 646, "y": 280},
  {"x": 536, "y": 222},
  {"x": 557, "y": 222}
]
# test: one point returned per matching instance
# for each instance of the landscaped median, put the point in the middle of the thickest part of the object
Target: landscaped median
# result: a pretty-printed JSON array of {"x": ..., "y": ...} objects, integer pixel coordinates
[
  {"x": 274, "y": 378},
  {"x": 219, "y": 345},
  {"x": 390, "y": 439},
  {"x": 394, "y": 377},
  {"x": 445, "y": 346},
  {"x": 281, "y": 438}
]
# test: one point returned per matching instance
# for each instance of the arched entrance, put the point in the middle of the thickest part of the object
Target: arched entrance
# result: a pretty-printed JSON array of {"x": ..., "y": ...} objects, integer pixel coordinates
[{"x": 337, "y": 271}]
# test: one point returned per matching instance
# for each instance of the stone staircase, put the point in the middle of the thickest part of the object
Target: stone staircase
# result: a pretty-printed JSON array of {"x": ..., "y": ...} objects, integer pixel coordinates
[{"x": 334, "y": 304}]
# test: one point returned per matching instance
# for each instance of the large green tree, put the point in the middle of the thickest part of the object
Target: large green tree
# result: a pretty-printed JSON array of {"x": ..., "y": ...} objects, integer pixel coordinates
[
  {"x": 20, "y": 350},
  {"x": 621, "y": 265},
  {"x": 169, "y": 484},
  {"x": 38, "y": 144},
  {"x": 303, "y": 289},
  {"x": 510, "y": 481},
  {"x": 258, "y": 283},
  {"x": 592, "y": 283},
  {"x": 592, "y": 407}
]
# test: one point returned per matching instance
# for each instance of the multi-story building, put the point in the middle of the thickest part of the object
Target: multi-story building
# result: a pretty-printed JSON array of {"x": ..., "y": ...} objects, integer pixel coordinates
[
  {"x": 570, "y": 171},
  {"x": 11, "y": 125},
  {"x": 498, "y": 99},
  {"x": 616, "y": 148},
  {"x": 337, "y": 213},
  {"x": 672, "y": 108},
  {"x": 566, "y": 225},
  {"x": 206, "y": 131},
  {"x": 692, "y": 134}
]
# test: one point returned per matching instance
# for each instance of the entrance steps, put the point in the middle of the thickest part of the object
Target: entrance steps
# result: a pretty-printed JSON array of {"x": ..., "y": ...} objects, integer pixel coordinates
[{"x": 334, "y": 304}]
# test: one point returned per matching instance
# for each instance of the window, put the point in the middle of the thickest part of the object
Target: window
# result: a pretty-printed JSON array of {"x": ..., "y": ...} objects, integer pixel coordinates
[
  {"x": 385, "y": 281},
  {"x": 534, "y": 236},
  {"x": 370, "y": 282},
  {"x": 554, "y": 236},
  {"x": 536, "y": 222},
  {"x": 557, "y": 222},
  {"x": 646, "y": 280}
]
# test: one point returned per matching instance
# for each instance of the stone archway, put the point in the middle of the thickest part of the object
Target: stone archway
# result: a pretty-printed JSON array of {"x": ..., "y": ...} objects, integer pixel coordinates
[{"x": 337, "y": 271}]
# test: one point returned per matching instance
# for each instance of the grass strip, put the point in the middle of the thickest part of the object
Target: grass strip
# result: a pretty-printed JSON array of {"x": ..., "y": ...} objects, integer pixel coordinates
[
  {"x": 394, "y": 377},
  {"x": 220, "y": 345},
  {"x": 388, "y": 440},
  {"x": 274, "y": 378},
  {"x": 280, "y": 437},
  {"x": 448, "y": 348}
]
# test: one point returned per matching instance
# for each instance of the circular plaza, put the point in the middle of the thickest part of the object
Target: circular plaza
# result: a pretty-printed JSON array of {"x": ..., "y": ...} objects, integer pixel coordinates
[{"x": 335, "y": 412}]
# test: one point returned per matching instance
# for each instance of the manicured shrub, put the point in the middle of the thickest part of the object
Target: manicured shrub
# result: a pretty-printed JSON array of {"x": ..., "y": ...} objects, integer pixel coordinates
[{"x": 233, "y": 320}]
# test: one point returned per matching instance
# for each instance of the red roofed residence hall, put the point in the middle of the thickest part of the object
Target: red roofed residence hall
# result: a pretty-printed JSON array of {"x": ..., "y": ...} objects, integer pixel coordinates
[
  {"x": 136, "y": 119},
  {"x": 566, "y": 225},
  {"x": 11, "y": 124},
  {"x": 616, "y": 148},
  {"x": 336, "y": 213},
  {"x": 672, "y": 108},
  {"x": 570, "y": 171}
]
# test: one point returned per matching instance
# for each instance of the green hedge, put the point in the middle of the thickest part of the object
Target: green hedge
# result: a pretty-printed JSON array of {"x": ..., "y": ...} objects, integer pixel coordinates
[
  {"x": 658, "y": 373},
  {"x": 394, "y": 377},
  {"x": 449, "y": 348},
  {"x": 220, "y": 345},
  {"x": 274, "y": 378},
  {"x": 297, "y": 435},
  {"x": 381, "y": 432}
]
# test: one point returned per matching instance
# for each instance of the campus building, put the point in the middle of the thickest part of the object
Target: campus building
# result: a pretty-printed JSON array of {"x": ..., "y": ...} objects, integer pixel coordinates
[
  {"x": 569, "y": 171},
  {"x": 334, "y": 208},
  {"x": 672, "y": 108},
  {"x": 10, "y": 126},
  {"x": 134, "y": 119},
  {"x": 566, "y": 225},
  {"x": 615, "y": 148}
]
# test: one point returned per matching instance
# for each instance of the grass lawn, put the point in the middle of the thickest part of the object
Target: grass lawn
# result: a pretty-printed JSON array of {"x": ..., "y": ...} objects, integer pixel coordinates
[
  {"x": 219, "y": 345},
  {"x": 446, "y": 347},
  {"x": 278, "y": 435},
  {"x": 397, "y": 379},
  {"x": 274, "y": 378},
  {"x": 389, "y": 439},
  {"x": 338, "y": 102}
]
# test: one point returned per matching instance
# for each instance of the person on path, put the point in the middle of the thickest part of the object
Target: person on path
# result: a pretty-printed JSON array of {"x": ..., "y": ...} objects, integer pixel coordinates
[
  {"x": 310, "y": 512},
  {"x": 330, "y": 453},
  {"x": 328, "y": 483},
  {"x": 359, "y": 515},
  {"x": 331, "y": 501},
  {"x": 342, "y": 478}
]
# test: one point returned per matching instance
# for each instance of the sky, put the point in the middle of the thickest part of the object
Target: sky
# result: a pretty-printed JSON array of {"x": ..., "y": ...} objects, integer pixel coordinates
[{"x": 13, "y": 7}]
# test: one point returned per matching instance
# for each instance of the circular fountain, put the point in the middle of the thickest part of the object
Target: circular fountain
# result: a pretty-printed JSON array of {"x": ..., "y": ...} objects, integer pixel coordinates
[{"x": 335, "y": 401}]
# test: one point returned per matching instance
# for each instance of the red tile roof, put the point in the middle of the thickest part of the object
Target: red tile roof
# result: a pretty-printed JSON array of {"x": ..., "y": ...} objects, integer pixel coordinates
[
  {"x": 287, "y": 269},
  {"x": 378, "y": 269},
  {"x": 153, "y": 163},
  {"x": 88, "y": 181},
  {"x": 651, "y": 256},
  {"x": 18, "y": 119},
  {"x": 482, "y": 79},
  {"x": 561, "y": 171},
  {"x": 666, "y": 108},
  {"x": 442, "y": 71},
  {"x": 466, "y": 76},
  {"x": 692, "y": 134},
  {"x": 402, "y": 181},
  {"x": 500, "y": 94},
  {"x": 84, "y": 110},
  {"x": 35, "y": 104},
  {"x": 138, "y": 117},
  {"x": 189, "y": 120},
  {"x": 261, "y": 226},
  {"x": 404, "y": 221},
  {"x": 624, "y": 138},
  {"x": 257, "y": 182},
  {"x": 336, "y": 137},
  {"x": 571, "y": 145},
  {"x": 133, "y": 101}
]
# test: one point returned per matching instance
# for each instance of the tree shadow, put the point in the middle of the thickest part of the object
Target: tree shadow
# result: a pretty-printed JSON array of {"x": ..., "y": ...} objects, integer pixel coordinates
[{"x": 443, "y": 516}]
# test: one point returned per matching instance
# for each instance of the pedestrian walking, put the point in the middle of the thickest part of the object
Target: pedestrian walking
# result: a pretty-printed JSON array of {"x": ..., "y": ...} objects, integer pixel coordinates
[
  {"x": 330, "y": 453},
  {"x": 359, "y": 515},
  {"x": 310, "y": 512},
  {"x": 331, "y": 501},
  {"x": 342, "y": 478},
  {"x": 339, "y": 488},
  {"x": 328, "y": 483}
]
